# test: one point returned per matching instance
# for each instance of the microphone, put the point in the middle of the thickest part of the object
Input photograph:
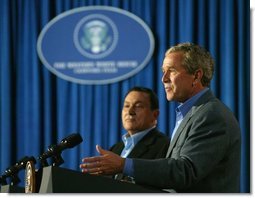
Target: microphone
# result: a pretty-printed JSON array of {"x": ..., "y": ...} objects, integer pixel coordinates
[
  {"x": 54, "y": 151},
  {"x": 13, "y": 170},
  {"x": 21, "y": 164},
  {"x": 70, "y": 141}
]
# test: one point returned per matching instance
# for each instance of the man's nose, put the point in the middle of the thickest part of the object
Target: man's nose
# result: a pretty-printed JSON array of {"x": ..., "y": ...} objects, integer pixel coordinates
[
  {"x": 165, "y": 77},
  {"x": 131, "y": 110}
]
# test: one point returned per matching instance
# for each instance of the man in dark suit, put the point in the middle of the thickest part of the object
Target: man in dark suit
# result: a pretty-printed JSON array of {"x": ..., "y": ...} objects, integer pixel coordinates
[
  {"x": 204, "y": 153},
  {"x": 152, "y": 146},
  {"x": 139, "y": 118}
]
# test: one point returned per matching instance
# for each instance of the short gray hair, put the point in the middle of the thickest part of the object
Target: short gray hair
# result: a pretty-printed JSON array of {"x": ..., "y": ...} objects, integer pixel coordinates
[{"x": 195, "y": 57}]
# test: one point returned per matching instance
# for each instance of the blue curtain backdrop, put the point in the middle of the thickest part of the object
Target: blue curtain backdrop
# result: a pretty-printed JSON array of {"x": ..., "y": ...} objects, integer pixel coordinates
[{"x": 38, "y": 109}]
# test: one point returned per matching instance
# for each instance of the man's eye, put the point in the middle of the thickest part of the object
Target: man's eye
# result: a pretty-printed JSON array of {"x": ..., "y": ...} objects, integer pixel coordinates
[{"x": 171, "y": 70}]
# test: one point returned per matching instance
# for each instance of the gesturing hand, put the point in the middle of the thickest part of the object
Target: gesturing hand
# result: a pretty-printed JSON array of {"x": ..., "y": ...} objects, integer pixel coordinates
[{"x": 108, "y": 163}]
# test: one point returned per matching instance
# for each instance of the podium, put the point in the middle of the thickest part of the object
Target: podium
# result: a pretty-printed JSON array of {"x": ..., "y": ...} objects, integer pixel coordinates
[
  {"x": 53, "y": 179},
  {"x": 62, "y": 180},
  {"x": 12, "y": 189}
]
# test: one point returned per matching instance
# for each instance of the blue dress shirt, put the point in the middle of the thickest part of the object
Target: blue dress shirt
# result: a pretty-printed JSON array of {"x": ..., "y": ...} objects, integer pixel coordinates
[
  {"x": 131, "y": 141},
  {"x": 184, "y": 108}
]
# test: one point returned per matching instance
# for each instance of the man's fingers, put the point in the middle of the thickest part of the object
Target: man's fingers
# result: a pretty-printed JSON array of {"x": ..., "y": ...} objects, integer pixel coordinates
[
  {"x": 94, "y": 171},
  {"x": 95, "y": 164},
  {"x": 91, "y": 159},
  {"x": 107, "y": 163}
]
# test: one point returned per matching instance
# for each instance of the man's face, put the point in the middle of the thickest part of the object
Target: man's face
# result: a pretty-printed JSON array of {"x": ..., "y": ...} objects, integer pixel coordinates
[
  {"x": 136, "y": 112},
  {"x": 177, "y": 82}
]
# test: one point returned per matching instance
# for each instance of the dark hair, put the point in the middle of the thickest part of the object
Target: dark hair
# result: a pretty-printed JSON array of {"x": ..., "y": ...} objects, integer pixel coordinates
[{"x": 152, "y": 95}]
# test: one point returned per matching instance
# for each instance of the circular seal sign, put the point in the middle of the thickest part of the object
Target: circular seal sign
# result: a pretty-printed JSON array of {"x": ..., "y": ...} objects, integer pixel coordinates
[
  {"x": 95, "y": 45},
  {"x": 30, "y": 177}
]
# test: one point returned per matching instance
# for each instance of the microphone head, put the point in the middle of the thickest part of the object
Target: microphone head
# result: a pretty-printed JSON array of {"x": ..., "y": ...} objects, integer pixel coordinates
[
  {"x": 55, "y": 150},
  {"x": 71, "y": 141},
  {"x": 21, "y": 164}
]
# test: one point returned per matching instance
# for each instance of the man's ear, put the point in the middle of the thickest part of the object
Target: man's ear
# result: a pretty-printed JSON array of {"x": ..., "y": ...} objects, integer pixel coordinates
[
  {"x": 156, "y": 114},
  {"x": 198, "y": 76}
]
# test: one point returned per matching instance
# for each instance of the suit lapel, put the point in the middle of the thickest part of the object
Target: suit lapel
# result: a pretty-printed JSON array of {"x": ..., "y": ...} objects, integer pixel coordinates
[
  {"x": 118, "y": 148},
  {"x": 207, "y": 96},
  {"x": 142, "y": 147},
  {"x": 178, "y": 132},
  {"x": 137, "y": 151}
]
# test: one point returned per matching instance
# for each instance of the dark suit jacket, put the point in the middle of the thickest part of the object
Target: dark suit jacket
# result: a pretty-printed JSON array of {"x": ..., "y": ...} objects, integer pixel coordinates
[
  {"x": 204, "y": 155},
  {"x": 152, "y": 146}
]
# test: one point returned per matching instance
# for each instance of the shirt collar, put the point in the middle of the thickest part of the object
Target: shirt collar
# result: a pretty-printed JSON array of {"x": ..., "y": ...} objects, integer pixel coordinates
[
  {"x": 134, "y": 139},
  {"x": 184, "y": 108}
]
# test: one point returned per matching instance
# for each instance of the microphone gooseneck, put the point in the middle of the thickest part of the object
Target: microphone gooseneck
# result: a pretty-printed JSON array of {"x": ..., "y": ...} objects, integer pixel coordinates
[{"x": 55, "y": 151}]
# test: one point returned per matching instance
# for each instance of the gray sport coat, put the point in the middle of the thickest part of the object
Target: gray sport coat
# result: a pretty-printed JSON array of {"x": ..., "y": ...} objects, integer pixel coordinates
[{"x": 204, "y": 155}]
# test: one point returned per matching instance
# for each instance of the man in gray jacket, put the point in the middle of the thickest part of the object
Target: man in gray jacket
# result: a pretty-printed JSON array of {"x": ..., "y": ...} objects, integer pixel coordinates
[{"x": 204, "y": 153}]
